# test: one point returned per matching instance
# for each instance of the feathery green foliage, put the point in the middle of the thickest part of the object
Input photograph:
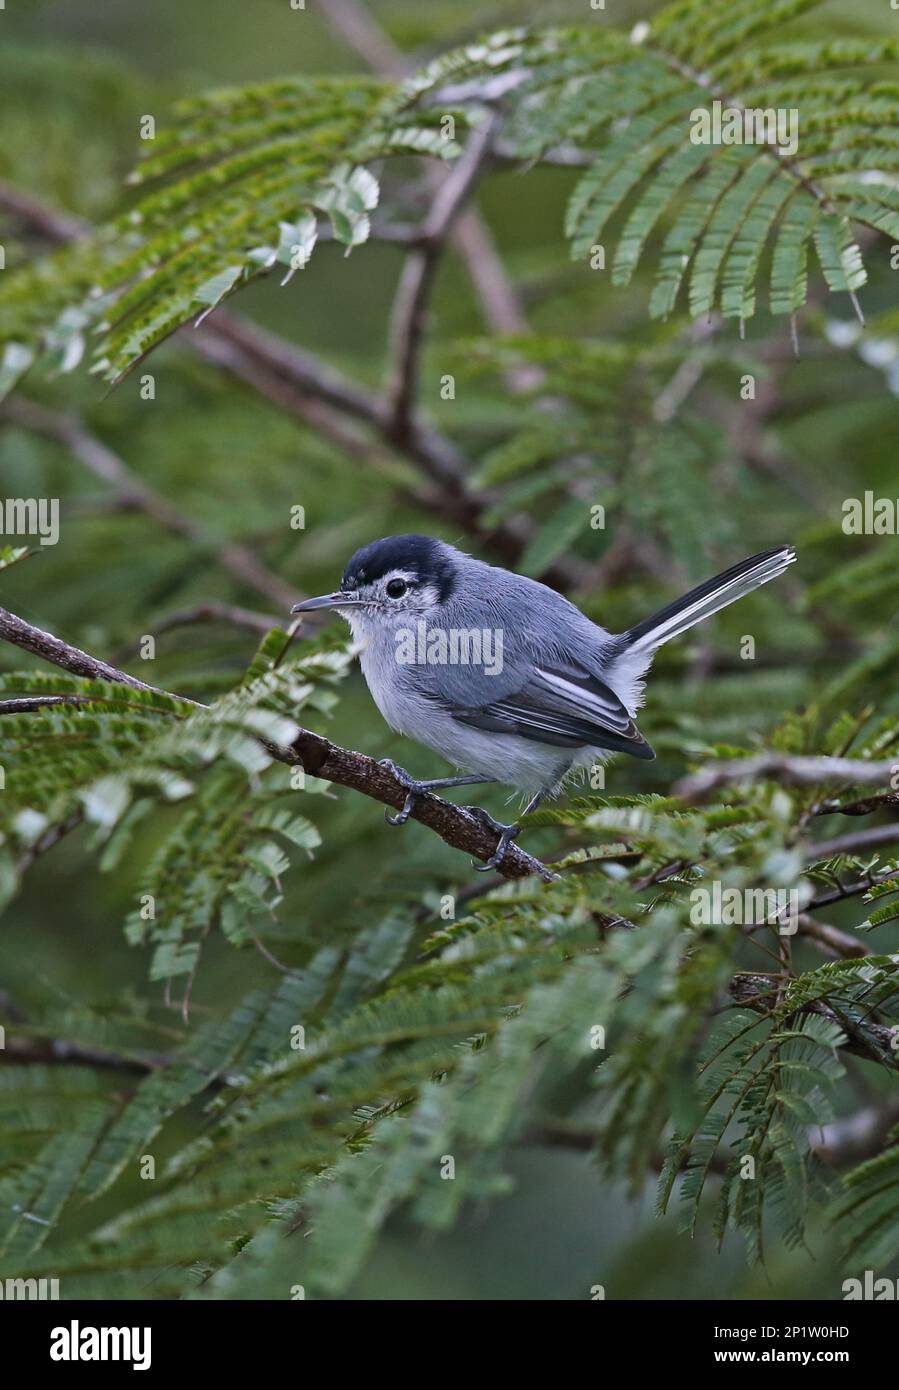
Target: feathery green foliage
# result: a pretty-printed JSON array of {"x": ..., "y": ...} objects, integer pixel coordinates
[
  {"x": 339, "y": 1096},
  {"x": 236, "y": 185},
  {"x": 115, "y": 757}
]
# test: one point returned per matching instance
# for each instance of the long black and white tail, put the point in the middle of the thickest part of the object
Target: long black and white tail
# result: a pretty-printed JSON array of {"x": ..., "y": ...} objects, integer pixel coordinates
[{"x": 706, "y": 599}]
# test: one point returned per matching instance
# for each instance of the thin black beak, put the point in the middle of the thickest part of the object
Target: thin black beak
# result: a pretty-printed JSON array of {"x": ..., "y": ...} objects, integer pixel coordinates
[{"x": 338, "y": 600}]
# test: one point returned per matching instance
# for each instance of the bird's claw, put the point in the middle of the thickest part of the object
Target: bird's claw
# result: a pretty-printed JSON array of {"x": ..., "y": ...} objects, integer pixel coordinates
[
  {"x": 414, "y": 789},
  {"x": 506, "y": 833},
  {"x": 401, "y": 816}
]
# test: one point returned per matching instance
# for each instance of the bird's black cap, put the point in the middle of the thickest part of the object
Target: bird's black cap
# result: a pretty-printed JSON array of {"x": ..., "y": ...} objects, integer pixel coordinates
[{"x": 421, "y": 556}]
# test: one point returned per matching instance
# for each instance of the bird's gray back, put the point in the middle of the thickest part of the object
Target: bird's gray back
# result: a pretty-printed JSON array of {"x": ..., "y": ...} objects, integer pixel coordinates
[{"x": 534, "y": 624}]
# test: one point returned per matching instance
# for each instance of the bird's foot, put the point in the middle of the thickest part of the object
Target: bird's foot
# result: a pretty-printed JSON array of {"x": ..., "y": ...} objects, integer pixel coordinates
[
  {"x": 413, "y": 788},
  {"x": 416, "y": 789},
  {"x": 506, "y": 833}
]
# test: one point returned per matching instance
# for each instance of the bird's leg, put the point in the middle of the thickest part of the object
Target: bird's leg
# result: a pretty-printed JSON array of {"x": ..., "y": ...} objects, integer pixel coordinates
[
  {"x": 414, "y": 789},
  {"x": 506, "y": 833}
]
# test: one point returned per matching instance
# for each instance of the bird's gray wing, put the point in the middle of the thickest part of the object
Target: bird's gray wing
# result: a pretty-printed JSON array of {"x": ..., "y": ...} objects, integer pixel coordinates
[{"x": 562, "y": 704}]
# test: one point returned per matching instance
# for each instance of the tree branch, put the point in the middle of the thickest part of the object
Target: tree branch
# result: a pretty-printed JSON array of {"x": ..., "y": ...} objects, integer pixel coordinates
[
  {"x": 856, "y": 843},
  {"x": 58, "y": 653},
  {"x": 301, "y": 386},
  {"x": 31, "y": 704},
  {"x": 470, "y": 234},
  {"x": 455, "y": 825},
  {"x": 56, "y": 1051},
  {"x": 297, "y": 382},
  {"x": 409, "y": 316},
  {"x": 793, "y": 769},
  {"x": 59, "y": 228},
  {"x": 214, "y": 612},
  {"x": 873, "y": 1041},
  {"x": 106, "y": 465},
  {"x": 833, "y": 941},
  {"x": 864, "y": 807},
  {"x": 850, "y": 890},
  {"x": 853, "y": 1138},
  {"x": 51, "y": 836}
]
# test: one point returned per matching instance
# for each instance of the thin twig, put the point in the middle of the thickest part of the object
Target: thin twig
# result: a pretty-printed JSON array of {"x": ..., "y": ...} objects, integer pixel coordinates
[
  {"x": 850, "y": 890},
  {"x": 470, "y": 234},
  {"x": 409, "y": 317},
  {"x": 831, "y": 939},
  {"x": 873, "y": 1041},
  {"x": 796, "y": 770},
  {"x": 298, "y": 383},
  {"x": 51, "y": 836},
  {"x": 864, "y": 807},
  {"x": 106, "y": 465},
  {"x": 856, "y": 843},
  {"x": 30, "y": 704},
  {"x": 214, "y": 612},
  {"x": 59, "y": 228},
  {"x": 853, "y": 1138},
  {"x": 50, "y": 1051}
]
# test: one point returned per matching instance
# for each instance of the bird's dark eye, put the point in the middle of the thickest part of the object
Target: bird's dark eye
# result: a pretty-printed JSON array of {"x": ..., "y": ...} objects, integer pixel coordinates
[{"x": 396, "y": 588}]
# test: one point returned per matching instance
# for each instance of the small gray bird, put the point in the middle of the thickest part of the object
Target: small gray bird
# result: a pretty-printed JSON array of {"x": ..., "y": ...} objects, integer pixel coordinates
[{"x": 500, "y": 675}]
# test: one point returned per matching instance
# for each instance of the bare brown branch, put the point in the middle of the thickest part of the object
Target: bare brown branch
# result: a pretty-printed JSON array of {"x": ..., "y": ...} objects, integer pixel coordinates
[
  {"x": 303, "y": 387},
  {"x": 857, "y": 843},
  {"x": 470, "y": 234},
  {"x": 793, "y": 769},
  {"x": 830, "y": 939},
  {"x": 409, "y": 318},
  {"x": 853, "y": 1138},
  {"x": 106, "y": 465},
  {"x": 213, "y": 612},
  {"x": 873, "y": 1041}
]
